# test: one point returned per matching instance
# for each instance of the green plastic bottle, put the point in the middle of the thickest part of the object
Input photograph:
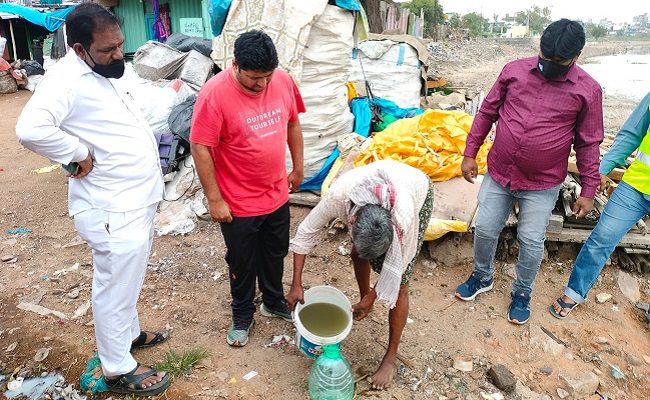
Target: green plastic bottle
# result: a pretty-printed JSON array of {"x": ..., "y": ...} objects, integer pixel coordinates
[{"x": 331, "y": 377}]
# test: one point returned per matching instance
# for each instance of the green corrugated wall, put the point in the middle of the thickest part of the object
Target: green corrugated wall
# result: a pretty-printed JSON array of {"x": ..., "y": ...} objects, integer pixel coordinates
[{"x": 133, "y": 13}]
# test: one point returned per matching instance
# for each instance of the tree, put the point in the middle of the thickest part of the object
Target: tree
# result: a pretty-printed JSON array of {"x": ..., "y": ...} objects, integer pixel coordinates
[
  {"x": 373, "y": 12},
  {"x": 474, "y": 22},
  {"x": 433, "y": 15},
  {"x": 535, "y": 18},
  {"x": 595, "y": 31},
  {"x": 454, "y": 20}
]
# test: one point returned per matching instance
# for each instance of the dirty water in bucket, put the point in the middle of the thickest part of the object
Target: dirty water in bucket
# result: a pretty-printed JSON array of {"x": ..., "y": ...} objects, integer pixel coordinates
[
  {"x": 324, "y": 319},
  {"x": 331, "y": 321}
]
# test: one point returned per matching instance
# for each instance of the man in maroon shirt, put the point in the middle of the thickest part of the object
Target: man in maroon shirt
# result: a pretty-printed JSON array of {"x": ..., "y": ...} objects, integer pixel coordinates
[{"x": 543, "y": 105}]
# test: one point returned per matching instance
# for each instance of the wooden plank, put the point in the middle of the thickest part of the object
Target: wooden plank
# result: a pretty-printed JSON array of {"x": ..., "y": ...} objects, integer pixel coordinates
[
  {"x": 555, "y": 223},
  {"x": 634, "y": 250},
  {"x": 304, "y": 199},
  {"x": 616, "y": 174},
  {"x": 630, "y": 239},
  {"x": 440, "y": 82}
]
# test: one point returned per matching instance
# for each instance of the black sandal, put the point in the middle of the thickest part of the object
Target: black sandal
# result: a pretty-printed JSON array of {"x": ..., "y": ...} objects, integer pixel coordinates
[
  {"x": 123, "y": 383},
  {"x": 141, "y": 341}
]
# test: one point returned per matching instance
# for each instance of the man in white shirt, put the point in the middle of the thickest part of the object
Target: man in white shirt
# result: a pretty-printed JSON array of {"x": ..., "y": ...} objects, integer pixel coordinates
[
  {"x": 80, "y": 117},
  {"x": 387, "y": 206}
]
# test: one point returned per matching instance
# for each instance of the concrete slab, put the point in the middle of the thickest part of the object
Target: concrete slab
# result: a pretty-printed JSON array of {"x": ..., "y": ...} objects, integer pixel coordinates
[{"x": 455, "y": 199}]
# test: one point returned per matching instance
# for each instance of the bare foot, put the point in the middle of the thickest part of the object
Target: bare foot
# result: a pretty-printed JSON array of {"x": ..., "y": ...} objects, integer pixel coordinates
[{"x": 383, "y": 376}]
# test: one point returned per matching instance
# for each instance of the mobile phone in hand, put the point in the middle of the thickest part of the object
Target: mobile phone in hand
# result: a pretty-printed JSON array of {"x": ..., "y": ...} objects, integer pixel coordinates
[{"x": 72, "y": 168}]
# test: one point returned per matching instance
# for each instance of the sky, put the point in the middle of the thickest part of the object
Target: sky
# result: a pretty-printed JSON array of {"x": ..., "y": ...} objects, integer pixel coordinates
[{"x": 615, "y": 11}]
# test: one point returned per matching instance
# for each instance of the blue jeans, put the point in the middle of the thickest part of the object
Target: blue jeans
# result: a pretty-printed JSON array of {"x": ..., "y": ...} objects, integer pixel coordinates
[
  {"x": 625, "y": 207},
  {"x": 495, "y": 203}
]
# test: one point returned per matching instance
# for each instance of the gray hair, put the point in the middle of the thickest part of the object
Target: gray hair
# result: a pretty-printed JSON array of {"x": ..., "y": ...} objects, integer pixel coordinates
[{"x": 372, "y": 232}]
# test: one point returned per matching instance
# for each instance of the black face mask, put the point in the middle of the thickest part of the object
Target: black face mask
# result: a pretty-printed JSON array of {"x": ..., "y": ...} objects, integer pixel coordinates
[
  {"x": 113, "y": 70},
  {"x": 551, "y": 69}
]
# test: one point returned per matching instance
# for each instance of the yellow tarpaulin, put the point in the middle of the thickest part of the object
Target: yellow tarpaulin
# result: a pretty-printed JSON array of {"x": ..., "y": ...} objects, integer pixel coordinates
[
  {"x": 438, "y": 227},
  {"x": 432, "y": 142}
]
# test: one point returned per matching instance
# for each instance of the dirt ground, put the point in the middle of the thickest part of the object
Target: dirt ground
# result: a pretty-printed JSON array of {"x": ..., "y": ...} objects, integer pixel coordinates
[{"x": 187, "y": 291}]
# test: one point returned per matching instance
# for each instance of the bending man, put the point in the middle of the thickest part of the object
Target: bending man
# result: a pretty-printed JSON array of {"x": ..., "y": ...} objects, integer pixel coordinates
[{"x": 387, "y": 206}]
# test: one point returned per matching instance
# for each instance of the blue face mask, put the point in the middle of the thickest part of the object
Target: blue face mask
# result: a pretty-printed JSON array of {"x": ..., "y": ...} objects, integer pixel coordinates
[
  {"x": 113, "y": 70},
  {"x": 551, "y": 69}
]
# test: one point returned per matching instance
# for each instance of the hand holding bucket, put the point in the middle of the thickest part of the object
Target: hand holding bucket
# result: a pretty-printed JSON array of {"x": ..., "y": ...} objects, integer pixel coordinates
[{"x": 309, "y": 343}]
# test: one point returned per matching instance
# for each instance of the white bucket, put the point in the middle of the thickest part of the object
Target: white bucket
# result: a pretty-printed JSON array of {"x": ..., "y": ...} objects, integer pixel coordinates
[{"x": 308, "y": 343}]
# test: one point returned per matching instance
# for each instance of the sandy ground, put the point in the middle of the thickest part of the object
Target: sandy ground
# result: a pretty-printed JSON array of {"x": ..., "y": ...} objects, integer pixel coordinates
[{"x": 187, "y": 290}]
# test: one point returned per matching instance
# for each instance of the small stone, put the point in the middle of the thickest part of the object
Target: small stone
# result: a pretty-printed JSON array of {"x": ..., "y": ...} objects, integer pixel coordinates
[
  {"x": 563, "y": 394},
  {"x": 633, "y": 360},
  {"x": 502, "y": 377},
  {"x": 603, "y": 297},
  {"x": 10, "y": 242},
  {"x": 546, "y": 370},
  {"x": 601, "y": 340},
  {"x": 629, "y": 286},
  {"x": 223, "y": 376},
  {"x": 7, "y": 257},
  {"x": 509, "y": 271},
  {"x": 646, "y": 359},
  {"x": 73, "y": 294},
  {"x": 463, "y": 363}
]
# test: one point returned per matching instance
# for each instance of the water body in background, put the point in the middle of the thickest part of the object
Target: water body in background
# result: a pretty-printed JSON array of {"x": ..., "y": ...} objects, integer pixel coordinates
[{"x": 623, "y": 75}]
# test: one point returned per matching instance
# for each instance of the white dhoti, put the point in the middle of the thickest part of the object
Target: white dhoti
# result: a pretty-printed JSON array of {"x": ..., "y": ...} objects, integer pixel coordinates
[{"x": 121, "y": 245}]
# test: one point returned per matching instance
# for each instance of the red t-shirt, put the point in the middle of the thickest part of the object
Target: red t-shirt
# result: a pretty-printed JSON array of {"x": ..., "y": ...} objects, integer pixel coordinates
[{"x": 247, "y": 134}]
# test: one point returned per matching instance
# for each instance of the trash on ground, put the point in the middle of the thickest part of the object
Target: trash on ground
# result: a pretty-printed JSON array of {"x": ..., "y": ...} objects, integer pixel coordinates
[
  {"x": 18, "y": 230},
  {"x": 42, "y": 354},
  {"x": 44, "y": 170},
  {"x": 40, "y": 310},
  {"x": 250, "y": 375},
  {"x": 279, "y": 340}
]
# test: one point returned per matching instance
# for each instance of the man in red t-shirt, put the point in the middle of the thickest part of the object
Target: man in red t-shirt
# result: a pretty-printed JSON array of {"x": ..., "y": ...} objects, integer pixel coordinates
[{"x": 243, "y": 120}]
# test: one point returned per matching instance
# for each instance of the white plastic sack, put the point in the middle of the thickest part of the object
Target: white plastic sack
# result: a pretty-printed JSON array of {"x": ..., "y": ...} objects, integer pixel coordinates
[
  {"x": 3, "y": 42},
  {"x": 325, "y": 70},
  {"x": 155, "y": 61},
  {"x": 155, "y": 99},
  {"x": 33, "y": 82},
  {"x": 392, "y": 70},
  {"x": 183, "y": 202}
]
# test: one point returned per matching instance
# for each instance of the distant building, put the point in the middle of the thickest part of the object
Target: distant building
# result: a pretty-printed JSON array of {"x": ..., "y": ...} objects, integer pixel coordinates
[{"x": 517, "y": 31}]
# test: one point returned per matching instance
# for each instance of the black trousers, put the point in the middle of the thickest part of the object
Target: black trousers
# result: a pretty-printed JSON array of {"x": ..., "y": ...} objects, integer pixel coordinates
[{"x": 256, "y": 247}]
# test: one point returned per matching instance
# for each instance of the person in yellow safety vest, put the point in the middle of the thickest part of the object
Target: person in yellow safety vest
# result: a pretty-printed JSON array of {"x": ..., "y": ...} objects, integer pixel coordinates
[{"x": 629, "y": 202}]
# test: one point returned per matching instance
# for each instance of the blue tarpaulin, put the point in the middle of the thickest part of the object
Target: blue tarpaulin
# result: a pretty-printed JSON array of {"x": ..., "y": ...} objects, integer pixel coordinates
[
  {"x": 50, "y": 20},
  {"x": 352, "y": 5}
]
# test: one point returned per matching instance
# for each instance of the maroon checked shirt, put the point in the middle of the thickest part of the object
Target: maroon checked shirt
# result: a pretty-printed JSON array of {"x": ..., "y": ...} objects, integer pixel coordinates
[{"x": 538, "y": 121}]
